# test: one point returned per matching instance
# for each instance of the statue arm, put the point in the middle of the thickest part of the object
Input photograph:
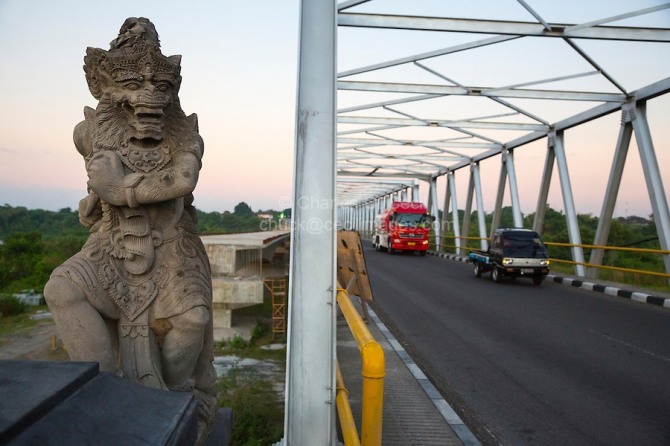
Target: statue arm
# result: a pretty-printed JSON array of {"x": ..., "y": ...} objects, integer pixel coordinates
[
  {"x": 107, "y": 178},
  {"x": 176, "y": 181}
]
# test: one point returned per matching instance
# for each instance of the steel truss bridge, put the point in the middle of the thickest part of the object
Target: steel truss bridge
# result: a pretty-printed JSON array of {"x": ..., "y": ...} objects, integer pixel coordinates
[{"x": 397, "y": 97}]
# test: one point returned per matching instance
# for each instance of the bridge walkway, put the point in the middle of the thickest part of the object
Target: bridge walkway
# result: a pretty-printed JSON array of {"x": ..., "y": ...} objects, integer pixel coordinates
[{"x": 414, "y": 411}]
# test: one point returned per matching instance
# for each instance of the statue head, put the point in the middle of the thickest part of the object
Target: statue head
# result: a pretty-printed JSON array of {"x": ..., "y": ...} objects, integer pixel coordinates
[{"x": 136, "y": 79}]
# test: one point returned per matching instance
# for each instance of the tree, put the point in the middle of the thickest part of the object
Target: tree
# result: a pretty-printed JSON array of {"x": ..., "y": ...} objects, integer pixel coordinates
[
  {"x": 242, "y": 209},
  {"x": 19, "y": 256}
]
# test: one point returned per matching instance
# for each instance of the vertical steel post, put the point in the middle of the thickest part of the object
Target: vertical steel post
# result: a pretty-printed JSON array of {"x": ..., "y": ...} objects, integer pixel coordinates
[
  {"x": 310, "y": 375},
  {"x": 541, "y": 208},
  {"x": 652, "y": 175},
  {"x": 569, "y": 205},
  {"x": 467, "y": 213},
  {"x": 432, "y": 200},
  {"x": 454, "y": 212},
  {"x": 513, "y": 189},
  {"x": 500, "y": 194},
  {"x": 481, "y": 218},
  {"x": 613, "y": 184},
  {"x": 445, "y": 224}
]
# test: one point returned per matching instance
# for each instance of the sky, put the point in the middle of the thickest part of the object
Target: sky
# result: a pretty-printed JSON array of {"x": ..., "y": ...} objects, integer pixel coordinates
[
  {"x": 239, "y": 64},
  {"x": 239, "y": 68}
]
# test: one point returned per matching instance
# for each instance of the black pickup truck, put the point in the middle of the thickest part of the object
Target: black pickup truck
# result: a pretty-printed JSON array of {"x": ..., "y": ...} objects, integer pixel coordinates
[{"x": 514, "y": 252}]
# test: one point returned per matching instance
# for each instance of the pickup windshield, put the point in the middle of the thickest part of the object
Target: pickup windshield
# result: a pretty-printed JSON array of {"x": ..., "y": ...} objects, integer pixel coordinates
[
  {"x": 412, "y": 220},
  {"x": 523, "y": 244}
]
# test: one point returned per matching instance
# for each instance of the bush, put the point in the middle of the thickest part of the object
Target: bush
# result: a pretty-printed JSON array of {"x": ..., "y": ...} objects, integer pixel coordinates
[
  {"x": 10, "y": 305},
  {"x": 238, "y": 343},
  {"x": 260, "y": 330},
  {"x": 258, "y": 417}
]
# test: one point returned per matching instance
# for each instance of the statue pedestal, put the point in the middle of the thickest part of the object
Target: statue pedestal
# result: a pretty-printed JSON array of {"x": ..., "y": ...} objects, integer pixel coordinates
[{"x": 55, "y": 403}]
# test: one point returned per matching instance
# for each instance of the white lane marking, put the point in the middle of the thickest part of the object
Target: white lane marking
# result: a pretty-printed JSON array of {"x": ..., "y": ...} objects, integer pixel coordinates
[{"x": 627, "y": 344}]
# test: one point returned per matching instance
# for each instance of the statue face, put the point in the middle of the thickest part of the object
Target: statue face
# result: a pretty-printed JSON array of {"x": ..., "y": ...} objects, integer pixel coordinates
[{"x": 143, "y": 98}]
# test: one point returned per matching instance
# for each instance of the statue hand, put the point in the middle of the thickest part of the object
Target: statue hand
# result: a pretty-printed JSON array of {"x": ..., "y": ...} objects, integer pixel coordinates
[
  {"x": 89, "y": 210},
  {"x": 105, "y": 177}
]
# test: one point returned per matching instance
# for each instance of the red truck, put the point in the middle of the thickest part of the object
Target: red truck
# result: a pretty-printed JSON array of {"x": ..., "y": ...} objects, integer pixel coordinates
[{"x": 402, "y": 227}]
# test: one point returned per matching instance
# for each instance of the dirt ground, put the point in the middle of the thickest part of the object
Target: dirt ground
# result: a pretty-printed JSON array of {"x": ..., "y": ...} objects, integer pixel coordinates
[{"x": 34, "y": 344}]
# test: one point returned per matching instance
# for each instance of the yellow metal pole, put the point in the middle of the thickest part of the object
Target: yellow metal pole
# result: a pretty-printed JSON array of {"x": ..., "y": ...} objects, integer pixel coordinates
[
  {"x": 372, "y": 356},
  {"x": 373, "y": 394},
  {"x": 347, "y": 423}
]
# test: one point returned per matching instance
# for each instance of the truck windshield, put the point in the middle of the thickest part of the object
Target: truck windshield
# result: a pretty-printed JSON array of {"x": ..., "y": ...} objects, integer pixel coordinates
[
  {"x": 523, "y": 244},
  {"x": 411, "y": 220}
]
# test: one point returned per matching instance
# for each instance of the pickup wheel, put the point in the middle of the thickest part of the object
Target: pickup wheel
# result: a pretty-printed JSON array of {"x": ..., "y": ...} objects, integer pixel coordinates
[
  {"x": 477, "y": 270},
  {"x": 495, "y": 274}
]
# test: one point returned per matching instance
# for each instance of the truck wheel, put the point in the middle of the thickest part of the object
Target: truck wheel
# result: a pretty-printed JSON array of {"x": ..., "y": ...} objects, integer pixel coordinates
[
  {"x": 377, "y": 245},
  {"x": 390, "y": 248},
  {"x": 422, "y": 253},
  {"x": 495, "y": 274},
  {"x": 537, "y": 280},
  {"x": 478, "y": 270}
]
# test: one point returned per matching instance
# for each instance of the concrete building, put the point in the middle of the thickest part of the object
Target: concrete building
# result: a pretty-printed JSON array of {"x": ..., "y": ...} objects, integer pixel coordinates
[{"x": 240, "y": 265}]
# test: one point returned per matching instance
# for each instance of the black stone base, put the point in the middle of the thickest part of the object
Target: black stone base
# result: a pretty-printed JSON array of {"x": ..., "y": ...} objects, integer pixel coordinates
[{"x": 57, "y": 403}]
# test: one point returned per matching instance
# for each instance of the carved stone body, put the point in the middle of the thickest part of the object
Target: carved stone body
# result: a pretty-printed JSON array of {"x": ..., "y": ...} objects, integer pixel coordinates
[{"x": 137, "y": 298}]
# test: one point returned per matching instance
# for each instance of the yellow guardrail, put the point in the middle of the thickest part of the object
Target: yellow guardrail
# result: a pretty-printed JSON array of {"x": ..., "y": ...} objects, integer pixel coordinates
[
  {"x": 373, "y": 372},
  {"x": 344, "y": 414}
]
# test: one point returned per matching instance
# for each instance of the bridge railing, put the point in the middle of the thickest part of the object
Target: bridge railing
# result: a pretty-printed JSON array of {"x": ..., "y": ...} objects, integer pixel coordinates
[{"x": 373, "y": 371}]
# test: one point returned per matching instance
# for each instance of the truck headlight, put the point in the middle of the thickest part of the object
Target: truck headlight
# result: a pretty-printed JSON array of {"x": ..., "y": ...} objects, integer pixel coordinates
[
  {"x": 507, "y": 261},
  {"x": 545, "y": 262}
]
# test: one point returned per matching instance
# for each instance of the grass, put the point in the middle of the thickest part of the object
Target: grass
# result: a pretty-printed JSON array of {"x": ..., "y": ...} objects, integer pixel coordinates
[{"x": 20, "y": 322}]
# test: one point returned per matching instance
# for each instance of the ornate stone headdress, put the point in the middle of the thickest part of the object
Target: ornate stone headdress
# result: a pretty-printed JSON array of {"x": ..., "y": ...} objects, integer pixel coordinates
[{"x": 132, "y": 53}]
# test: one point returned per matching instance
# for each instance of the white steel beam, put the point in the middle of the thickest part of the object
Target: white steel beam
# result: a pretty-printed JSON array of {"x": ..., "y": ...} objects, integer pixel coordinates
[
  {"x": 541, "y": 207},
  {"x": 508, "y": 159},
  {"x": 399, "y": 87},
  {"x": 465, "y": 231},
  {"x": 481, "y": 217},
  {"x": 652, "y": 175},
  {"x": 454, "y": 212},
  {"x": 433, "y": 209},
  {"x": 400, "y": 122},
  {"x": 310, "y": 375},
  {"x": 612, "y": 190},
  {"x": 500, "y": 194},
  {"x": 569, "y": 204},
  {"x": 501, "y": 27},
  {"x": 445, "y": 224}
]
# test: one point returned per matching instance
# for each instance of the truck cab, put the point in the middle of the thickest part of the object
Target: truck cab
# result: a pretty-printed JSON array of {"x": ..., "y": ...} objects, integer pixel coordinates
[{"x": 405, "y": 226}]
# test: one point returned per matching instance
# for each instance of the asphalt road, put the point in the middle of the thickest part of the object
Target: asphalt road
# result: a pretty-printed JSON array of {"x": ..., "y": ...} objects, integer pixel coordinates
[{"x": 530, "y": 365}]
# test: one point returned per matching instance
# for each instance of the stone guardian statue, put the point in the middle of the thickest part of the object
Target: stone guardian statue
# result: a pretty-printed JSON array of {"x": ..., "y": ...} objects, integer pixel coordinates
[{"x": 137, "y": 298}]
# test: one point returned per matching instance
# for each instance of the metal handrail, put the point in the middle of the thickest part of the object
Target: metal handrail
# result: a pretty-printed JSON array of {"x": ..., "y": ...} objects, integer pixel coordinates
[
  {"x": 373, "y": 372},
  {"x": 347, "y": 424}
]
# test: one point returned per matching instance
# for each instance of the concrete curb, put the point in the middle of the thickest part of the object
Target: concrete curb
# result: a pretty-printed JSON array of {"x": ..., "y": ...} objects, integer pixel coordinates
[
  {"x": 447, "y": 412},
  {"x": 612, "y": 291},
  {"x": 637, "y": 296}
]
